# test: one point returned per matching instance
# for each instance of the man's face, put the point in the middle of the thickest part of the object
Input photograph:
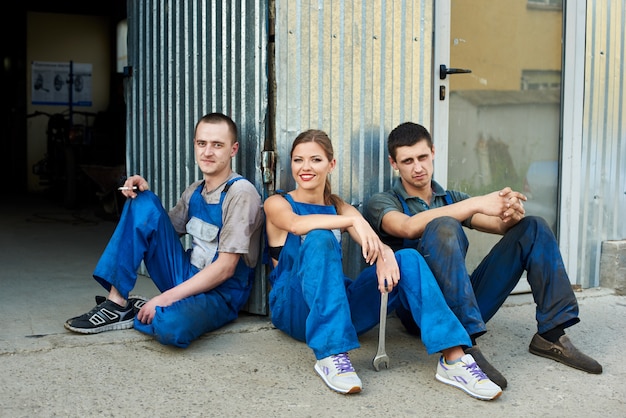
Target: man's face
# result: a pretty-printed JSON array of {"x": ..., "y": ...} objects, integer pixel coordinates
[
  {"x": 214, "y": 147},
  {"x": 415, "y": 164}
]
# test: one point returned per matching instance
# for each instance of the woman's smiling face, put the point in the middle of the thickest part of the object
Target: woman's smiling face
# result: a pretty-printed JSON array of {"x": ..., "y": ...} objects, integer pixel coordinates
[{"x": 310, "y": 166}]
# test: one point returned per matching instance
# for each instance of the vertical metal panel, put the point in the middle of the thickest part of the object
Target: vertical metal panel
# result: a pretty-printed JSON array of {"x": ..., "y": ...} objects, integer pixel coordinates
[
  {"x": 354, "y": 70},
  {"x": 603, "y": 158},
  {"x": 190, "y": 58}
]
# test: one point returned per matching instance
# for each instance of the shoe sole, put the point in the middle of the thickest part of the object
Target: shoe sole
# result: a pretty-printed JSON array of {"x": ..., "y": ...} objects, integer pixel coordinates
[
  {"x": 353, "y": 389},
  {"x": 127, "y": 324},
  {"x": 450, "y": 382}
]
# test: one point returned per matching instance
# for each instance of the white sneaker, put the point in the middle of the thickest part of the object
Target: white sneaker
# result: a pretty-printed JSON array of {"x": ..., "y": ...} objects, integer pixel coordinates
[
  {"x": 338, "y": 373},
  {"x": 466, "y": 375}
]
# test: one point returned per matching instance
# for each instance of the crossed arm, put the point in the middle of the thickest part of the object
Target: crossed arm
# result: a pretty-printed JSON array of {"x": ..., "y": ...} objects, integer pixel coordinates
[
  {"x": 494, "y": 213},
  {"x": 281, "y": 220}
]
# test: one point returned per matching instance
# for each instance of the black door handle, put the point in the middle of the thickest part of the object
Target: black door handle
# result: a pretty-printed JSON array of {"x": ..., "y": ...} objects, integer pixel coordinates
[{"x": 444, "y": 71}]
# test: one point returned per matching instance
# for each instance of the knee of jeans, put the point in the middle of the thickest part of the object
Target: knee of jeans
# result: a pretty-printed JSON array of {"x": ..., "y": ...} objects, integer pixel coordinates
[
  {"x": 536, "y": 221},
  {"x": 445, "y": 226},
  {"x": 145, "y": 197},
  {"x": 536, "y": 224},
  {"x": 321, "y": 237},
  {"x": 144, "y": 200},
  {"x": 410, "y": 255},
  {"x": 441, "y": 234}
]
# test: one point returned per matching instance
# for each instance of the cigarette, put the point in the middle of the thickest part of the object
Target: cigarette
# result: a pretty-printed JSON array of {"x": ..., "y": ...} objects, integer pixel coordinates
[{"x": 127, "y": 188}]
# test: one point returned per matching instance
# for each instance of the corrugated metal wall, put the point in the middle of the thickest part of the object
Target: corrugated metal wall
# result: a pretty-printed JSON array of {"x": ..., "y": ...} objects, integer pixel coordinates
[
  {"x": 190, "y": 58},
  {"x": 603, "y": 162},
  {"x": 354, "y": 70}
]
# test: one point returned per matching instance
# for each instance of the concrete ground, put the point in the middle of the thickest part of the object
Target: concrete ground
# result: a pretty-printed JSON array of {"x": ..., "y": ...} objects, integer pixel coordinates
[{"x": 249, "y": 368}]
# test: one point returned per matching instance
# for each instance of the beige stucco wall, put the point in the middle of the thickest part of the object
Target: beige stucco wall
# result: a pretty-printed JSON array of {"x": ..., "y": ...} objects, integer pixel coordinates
[{"x": 523, "y": 37}]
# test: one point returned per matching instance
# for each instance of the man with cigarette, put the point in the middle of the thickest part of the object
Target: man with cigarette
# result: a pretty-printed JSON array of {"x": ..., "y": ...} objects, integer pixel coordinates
[{"x": 203, "y": 288}]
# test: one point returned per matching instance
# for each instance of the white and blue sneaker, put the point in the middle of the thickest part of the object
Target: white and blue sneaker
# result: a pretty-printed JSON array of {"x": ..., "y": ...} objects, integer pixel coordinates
[
  {"x": 338, "y": 373},
  {"x": 467, "y": 376}
]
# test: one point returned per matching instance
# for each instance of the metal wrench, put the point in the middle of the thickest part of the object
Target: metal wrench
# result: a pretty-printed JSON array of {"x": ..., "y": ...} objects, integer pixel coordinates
[{"x": 381, "y": 355}]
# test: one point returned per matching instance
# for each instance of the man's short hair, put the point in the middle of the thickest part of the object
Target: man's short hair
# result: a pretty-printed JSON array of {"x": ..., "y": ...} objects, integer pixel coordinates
[
  {"x": 405, "y": 135},
  {"x": 217, "y": 117}
]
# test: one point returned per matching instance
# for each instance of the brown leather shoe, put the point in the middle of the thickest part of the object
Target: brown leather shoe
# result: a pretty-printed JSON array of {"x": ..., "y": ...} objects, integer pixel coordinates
[
  {"x": 492, "y": 373},
  {"x": 565, "y": 352}
]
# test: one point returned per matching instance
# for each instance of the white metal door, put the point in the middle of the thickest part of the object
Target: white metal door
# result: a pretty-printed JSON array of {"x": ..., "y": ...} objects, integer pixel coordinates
[{"x": 497, "y": 102}]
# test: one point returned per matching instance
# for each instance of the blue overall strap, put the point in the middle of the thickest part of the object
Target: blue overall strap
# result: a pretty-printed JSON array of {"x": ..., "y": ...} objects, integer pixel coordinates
[
  {"x": 289, "y": 199},
  {"x": 209, "y": 212},
  {"x": 300, "y": 208},
  {"x": 223, "y": 195},
  {"x": 224, "y": 190},
  {"x": 218, "y": 221},
  {"x": 227, "y": 187},
  {"x": 407, "y": 243},
  {"x": 412, "y": 243}
]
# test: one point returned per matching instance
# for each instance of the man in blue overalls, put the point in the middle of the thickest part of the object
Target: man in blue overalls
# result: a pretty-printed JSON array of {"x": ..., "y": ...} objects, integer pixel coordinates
[
  {"x": 203, "y": 288},
  {"x": 419, "y": 213}
]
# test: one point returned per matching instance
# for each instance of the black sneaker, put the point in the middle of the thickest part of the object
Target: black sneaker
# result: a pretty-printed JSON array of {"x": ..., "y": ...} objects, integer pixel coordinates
[
  {"x": 135, "y": 300},
  {"x": 106, "y": 316}
]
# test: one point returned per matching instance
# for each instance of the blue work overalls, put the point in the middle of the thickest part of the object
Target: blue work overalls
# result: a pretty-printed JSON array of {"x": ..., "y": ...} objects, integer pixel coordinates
[
  {"x": 145, "y": 233},
  {"x": 529, "y": 245},
  {"x": 313, "y": 301}
]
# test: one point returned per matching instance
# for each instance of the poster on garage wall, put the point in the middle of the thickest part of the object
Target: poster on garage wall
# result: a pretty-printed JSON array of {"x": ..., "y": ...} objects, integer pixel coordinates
[{"x": 56, "y": 83}]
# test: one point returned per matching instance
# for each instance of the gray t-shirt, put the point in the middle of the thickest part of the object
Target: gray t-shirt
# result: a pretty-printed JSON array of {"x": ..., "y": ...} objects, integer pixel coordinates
[
  {"x": 382, "y": 203},
  {"x": 242, "y": 218}
]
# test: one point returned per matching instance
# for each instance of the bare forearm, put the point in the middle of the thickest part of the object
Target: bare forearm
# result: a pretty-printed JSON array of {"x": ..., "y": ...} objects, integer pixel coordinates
[
  {"x": 413, "y": 227},
  {"x": 305, "y": 224}
]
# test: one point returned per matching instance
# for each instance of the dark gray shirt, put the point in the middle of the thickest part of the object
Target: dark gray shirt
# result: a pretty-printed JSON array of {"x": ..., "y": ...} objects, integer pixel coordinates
[{"x": 382, "y": 203}]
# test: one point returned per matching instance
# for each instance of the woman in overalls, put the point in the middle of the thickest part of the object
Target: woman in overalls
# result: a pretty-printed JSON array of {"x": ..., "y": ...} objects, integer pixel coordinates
[{"x": 313, "y": 301}]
